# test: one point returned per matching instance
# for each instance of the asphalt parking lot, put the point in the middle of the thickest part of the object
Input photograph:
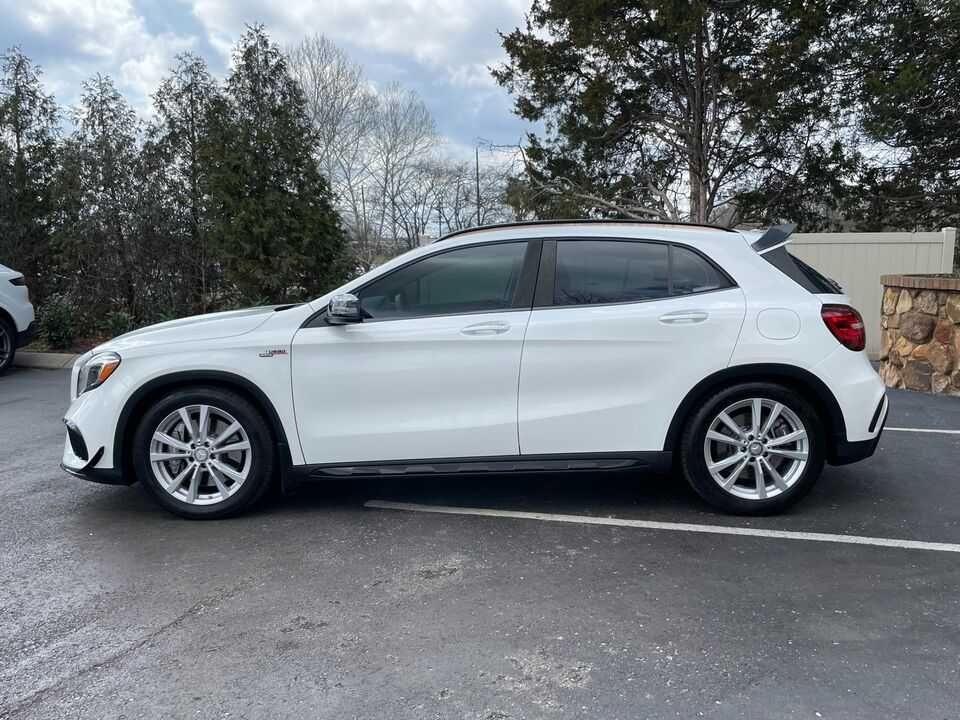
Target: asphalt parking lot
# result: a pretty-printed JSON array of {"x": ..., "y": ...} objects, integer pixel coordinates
[{"x": 319, "y": 607}]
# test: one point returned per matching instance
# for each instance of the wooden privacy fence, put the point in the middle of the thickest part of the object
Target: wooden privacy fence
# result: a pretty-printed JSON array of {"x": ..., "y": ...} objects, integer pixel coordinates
[{"x": 857, "y": 260}]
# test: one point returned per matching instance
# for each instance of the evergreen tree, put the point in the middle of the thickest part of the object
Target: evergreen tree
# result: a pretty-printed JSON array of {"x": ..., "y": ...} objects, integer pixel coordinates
[
  {"x": 908, "y": 83},
  {"x": 670, "y": 109},
  {"x": 175, "y": 156},
  {"x": 277, "y": 234},
  {"x": 29, "y": 133},
  {"x": 100, "y": 181}
]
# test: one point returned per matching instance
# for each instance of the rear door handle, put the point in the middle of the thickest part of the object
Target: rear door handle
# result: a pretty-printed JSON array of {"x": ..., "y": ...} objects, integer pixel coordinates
[
  {"x": 486, "y": 328},
  {"x": 684, "y": 317}
]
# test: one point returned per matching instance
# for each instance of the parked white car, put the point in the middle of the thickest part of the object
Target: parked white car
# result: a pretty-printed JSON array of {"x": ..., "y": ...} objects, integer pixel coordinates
[
  {"x": 17, "y": 324},
  {"x": 547, "y": 346}
]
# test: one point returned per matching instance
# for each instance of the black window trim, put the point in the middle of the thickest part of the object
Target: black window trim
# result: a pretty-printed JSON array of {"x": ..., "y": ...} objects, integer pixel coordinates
[
  {"x": 546, "y": 277},
  {"x": 523, "y": 293},
  {"x": 543, "y": 297}
]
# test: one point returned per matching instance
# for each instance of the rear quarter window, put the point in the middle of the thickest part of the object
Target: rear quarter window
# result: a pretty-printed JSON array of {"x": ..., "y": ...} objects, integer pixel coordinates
[{"x": 805, "y": 276}]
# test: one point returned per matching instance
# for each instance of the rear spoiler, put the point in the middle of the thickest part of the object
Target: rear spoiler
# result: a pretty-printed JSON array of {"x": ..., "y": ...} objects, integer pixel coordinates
[{"x": 775, "y": 236}]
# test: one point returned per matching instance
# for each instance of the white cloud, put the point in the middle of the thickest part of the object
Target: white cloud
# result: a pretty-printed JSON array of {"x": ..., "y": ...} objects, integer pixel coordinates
[
  {"x": 441, "y": 48},
  {"x": 144, "y": 71},
  {"x": 435, "y": 32},
  {"x": 107, "y": 36},
  {"x": 473, "y": 75}
]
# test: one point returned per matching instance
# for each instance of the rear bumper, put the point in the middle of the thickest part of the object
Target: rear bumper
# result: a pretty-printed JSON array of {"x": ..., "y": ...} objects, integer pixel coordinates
[
  {"x": 846, "y": 451},
  {"x": 24, "y": 337}
]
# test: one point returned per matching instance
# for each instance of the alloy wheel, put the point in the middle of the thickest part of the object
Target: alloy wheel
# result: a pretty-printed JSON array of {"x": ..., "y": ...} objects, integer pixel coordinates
[
  {"x": 756, "y": 448},
  {"x": 6, "y": 345},
  {"x": 200, "y": 454}
]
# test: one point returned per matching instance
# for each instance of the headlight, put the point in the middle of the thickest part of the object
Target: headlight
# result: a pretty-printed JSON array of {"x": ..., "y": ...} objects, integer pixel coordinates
[{"x": 96, "y": 370}]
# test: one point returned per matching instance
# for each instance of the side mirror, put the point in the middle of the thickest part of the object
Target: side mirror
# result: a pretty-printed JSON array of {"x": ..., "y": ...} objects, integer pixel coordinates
[{"x": 344, "y": 310}]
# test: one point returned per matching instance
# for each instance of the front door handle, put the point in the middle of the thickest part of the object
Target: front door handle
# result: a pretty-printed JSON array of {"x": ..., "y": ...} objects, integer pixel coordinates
[
  {"x": 684, "y": 317},
  {"x": 486, "y": 328}
]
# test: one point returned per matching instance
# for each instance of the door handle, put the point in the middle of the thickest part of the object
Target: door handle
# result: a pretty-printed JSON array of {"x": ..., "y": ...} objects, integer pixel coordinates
[
  {"x": 486, "y": 328},
  {"x": 684, "y": 317}
]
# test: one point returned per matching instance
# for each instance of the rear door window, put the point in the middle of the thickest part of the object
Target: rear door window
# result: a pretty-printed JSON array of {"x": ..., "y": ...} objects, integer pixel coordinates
[
  {"x": 692, "y": 273},
  {"x": 593, "y": 272}
]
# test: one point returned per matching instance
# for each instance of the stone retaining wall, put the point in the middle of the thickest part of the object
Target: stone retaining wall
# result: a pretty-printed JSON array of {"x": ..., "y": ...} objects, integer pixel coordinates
[{"x": 920, "y": 333}]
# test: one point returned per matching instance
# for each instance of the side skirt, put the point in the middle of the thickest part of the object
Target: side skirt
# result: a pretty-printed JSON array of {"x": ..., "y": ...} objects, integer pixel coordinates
[{"x": 651, "y": 461}]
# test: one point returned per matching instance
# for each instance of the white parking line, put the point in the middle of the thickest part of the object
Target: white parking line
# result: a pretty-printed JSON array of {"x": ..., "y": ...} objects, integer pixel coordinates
[
  {"x": 680, "y": 527},
  {"x": 925, "y": 430}
]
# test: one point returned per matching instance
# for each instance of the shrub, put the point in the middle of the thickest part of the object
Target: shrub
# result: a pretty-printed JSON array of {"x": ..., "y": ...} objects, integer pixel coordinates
[
  {"x": 117, "y": 323},
  {"x": 57, "y": 322}
]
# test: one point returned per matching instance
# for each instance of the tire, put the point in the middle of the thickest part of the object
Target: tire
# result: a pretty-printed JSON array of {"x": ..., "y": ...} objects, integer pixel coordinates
[
  {"x": 228, "y": 481},
  {"x": 8, "y": 345},
  {"x": 790, "y": 456}
]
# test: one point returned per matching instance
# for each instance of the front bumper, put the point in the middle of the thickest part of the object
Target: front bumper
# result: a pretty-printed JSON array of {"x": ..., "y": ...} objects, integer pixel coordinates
[
  {"x": 87, "y": 444},
  {"x": 79, "y": 462},
  {"x": 105, "y": 476},
  {"x": 24, "y": 338}
]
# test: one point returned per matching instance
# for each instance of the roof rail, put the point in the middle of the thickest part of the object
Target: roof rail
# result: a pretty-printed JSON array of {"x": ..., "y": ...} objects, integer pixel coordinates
[{"x": 581, "y": 221}]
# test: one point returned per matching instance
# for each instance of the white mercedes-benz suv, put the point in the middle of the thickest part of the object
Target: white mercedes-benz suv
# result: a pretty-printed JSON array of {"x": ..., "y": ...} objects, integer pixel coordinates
[
  {"x": 538, "y": 347},
  {"x": 17, "y": 326}
]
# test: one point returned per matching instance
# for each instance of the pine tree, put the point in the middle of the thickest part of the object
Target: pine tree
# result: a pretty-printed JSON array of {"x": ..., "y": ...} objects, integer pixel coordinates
[
  {"x": 908, "y": 83},
  {"x": 100, "y": 182},
  {"x": 29, "y": 133},
  {"x": 174, "y": 154},
  {"x": 666, "y": 109},
  {"x": 277, "y": 235}
]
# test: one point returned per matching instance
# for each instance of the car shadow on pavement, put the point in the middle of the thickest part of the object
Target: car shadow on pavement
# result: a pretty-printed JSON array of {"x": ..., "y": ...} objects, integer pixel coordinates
[
  {"x": 581, "y": 492},
  {"x": 610, "y": 493},
  {"x": 633, "y": 494},
  {"x": 622, "y": 493}
]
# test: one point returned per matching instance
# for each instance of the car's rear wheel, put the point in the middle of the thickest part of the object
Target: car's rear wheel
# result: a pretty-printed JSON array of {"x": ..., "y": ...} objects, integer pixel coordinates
[
  {"x": 753, "y": 449},
  {"x": 8, "y": 345},
  {"x": 204, "y": 452}
]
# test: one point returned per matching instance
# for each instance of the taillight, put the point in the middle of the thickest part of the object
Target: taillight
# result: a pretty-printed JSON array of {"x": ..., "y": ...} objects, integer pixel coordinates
[
  {"x": 846, "y": 325},
  {"x": 18, "y": 281}
]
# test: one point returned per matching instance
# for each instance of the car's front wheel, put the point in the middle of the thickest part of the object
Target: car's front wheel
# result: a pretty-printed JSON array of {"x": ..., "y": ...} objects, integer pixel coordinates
[
  {"x": 204, "y": 452},
  {"x": 753, "y": 449}
]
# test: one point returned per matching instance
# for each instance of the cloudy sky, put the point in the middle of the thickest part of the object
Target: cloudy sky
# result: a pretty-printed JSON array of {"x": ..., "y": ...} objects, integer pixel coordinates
[{"x": 441, "y": 48}]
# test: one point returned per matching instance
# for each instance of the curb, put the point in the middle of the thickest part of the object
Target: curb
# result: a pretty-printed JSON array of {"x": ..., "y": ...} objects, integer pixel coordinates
[{"x": 48, "y": 361}]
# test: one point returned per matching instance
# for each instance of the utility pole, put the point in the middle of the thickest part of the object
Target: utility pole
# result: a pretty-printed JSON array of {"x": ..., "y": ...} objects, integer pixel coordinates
[
  {"x": 439, "y": 218},
  {"x": 363, "y": 238},
  {"x": 478, "y": 185}
]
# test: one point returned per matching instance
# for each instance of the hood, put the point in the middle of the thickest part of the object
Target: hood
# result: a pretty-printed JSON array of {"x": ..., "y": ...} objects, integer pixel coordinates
[{"x": 211, "y": 326}]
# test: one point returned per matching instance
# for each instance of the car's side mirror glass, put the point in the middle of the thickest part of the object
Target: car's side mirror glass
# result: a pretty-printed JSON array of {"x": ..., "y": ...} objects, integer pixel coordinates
[{"x": 344, "y": 309}]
